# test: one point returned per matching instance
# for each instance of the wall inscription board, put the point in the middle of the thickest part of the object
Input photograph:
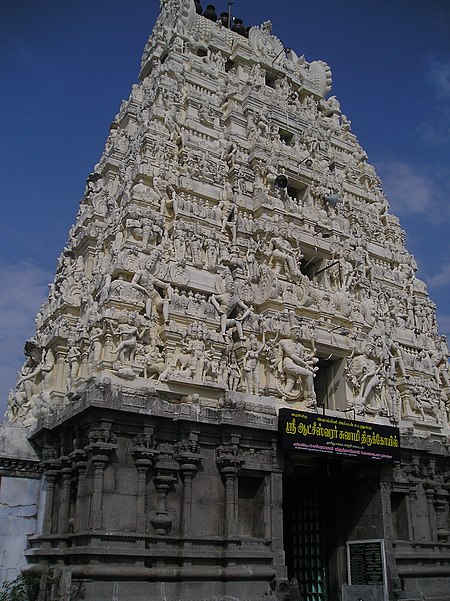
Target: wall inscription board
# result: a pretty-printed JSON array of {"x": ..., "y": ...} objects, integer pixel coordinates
[
  {"x": 366, "y": 564},
  {"x": 302, "y": 431}
]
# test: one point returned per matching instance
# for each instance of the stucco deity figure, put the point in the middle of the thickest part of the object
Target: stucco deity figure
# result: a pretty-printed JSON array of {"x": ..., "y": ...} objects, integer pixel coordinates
[
  {"x": 154, "y": 361},
  {"x": 73, "y": 361},
  {"x": 283, "y": 256},
  {"x": 440, "y": 365},
  {"x": 228, "y": 211},
  {"x": 422, "y": 404},
  {"x": 169, "y": 201},
  {"x": 227, "y": 306},
  {"x": 151, "y": 230},
  {"x": 36, "y": 379},
  {"x": 364, "y": 376},
  {"x": 296, "y": 365},
  {"x": 95, "y": 344},
  {"x": 149, "y": 284},
  {"x": 128, "y": 333},
  {"x": 251, "y": 365},
  {"x": 234, "y": 374}
]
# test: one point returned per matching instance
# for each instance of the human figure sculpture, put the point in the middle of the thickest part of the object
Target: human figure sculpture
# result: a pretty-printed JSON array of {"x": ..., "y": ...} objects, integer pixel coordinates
[
  {"x": 197, "y": 349},
  {"x": 298, "y": 365},
  {"x": 364, "y": 376},
  {"x": 154, "y": 362},
  {"x": 129, "y": 333},
  {"x": 96, "y": 344},
  {"x": 440, "y": 366},
  {"x": 283, "y": 256},
  {"x": 251, "y": 366},
  {"x": 228, "y": 210},
  {"x": 151, "y": 231},
  {"x": 37, "y": 378},
  {"x": 234, "y": 375},
  {"x": 226, "y": 304},
  {"x": 422, "y": 404},
  {"x": 73, "y": 360},
  {"x": 148, "y": 284},
  {"x": 169, "y": 201},
  {"x": 34, "y": 386}
]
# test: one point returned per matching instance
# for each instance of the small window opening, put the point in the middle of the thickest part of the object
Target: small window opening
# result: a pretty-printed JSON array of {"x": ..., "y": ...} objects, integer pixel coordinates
[
  {"x": 251, "y": 506},
  {"x": 229, "y": 65},
  {"x": 297, "y": 191},
  {"x": 309, "y": 266},
  {"x": 329, "y": 384},
  {"x": 286, "y": 136},
  {"x": 270, "y": 80},
  {"x": 400, "y": 516}
]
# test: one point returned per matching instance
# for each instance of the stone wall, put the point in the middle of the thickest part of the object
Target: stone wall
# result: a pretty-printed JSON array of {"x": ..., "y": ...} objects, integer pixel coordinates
[{"x": 20, "y": 485}]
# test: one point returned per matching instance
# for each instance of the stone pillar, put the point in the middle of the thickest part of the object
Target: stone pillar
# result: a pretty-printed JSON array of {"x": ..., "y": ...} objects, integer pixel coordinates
[
  {"x": 161, "y": 521},
  {"x": 50, "y": 472},
  {"x": 65, "y": 468},
  {"x": 144, "y": 454},
  {"x": 79, "y": 463},
  {"x": 188, "y": 459},
  {"x": 165, "y": 476},
  {"x": 429, "y": 493},
  {"x": 99, "y": 462},
  {"x": 394, "y": 583},
  {"x": 441, "y": 510},
  {"x": 47, "y": 525},
  {"x": 101, "y": 445},
  {"x": 276, "y": 500},
  {"x": 229, "y": 466}
]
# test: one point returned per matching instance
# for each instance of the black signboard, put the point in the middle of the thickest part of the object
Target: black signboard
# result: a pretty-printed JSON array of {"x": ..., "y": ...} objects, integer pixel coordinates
[
  {"x": 314, "y": 433},
  {"x": 366, "y": 563}
]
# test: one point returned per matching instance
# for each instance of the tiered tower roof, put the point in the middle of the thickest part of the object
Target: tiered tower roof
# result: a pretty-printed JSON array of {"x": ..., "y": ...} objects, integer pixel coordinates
[{"x": 234, "y": 246}]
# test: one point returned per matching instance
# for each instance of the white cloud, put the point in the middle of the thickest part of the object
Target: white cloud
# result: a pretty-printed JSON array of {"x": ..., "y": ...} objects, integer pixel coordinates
[
  {"x": 23, "y": 289},
  {"x": 408, "y": 190}
]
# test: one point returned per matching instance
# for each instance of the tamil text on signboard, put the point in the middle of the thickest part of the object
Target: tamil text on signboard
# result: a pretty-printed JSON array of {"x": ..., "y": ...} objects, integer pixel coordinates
[{"x": 302, "y": 431}]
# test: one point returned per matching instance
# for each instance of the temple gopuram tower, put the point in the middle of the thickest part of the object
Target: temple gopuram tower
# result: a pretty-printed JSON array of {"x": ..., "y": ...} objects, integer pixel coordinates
[{"x": 236, "y": 389}]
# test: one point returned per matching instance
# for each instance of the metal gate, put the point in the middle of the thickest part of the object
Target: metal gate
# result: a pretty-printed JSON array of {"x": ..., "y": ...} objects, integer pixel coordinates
[{"x": 305, "y": 546}]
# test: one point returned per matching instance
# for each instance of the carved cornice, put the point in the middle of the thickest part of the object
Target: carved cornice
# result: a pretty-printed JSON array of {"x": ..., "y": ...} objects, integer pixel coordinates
[{"x": 20, "y": 468}]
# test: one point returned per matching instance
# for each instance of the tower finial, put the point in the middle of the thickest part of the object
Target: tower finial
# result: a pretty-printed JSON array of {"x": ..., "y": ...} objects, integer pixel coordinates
[{"x": 230, "y": 4}]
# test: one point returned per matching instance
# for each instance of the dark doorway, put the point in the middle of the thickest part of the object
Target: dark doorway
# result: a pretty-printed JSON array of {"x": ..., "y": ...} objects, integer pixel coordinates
[{"x": 312, "y": 528}]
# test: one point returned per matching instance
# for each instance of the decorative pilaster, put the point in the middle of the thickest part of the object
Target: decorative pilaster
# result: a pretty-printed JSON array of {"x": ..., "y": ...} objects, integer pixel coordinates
[
  {"x": 441, "y": 509},
  {"x": 429, "y": 486},
  {"x": 102, "y": 443},
  {"x": 144, "y": 454},
  {"x": 79, "y": 463},
  {"x": 229, "y": 465},
  {"x": 437, "y": 498},
  {"x": 165, "y": 477},
  {"x": 51, "y": 473},
  {"x": 65, "y": 469},
  {"x": 413, "y": 477},
  {"x": 189, "y": 460}
]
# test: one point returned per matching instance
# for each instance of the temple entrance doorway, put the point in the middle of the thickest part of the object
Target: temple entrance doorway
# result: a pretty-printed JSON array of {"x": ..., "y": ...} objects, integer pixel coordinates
[{"x": 313, "y": 529}]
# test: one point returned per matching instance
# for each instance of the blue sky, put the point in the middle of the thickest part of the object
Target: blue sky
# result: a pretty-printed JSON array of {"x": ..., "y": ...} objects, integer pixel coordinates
[{"x": 65, "y": 67}]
